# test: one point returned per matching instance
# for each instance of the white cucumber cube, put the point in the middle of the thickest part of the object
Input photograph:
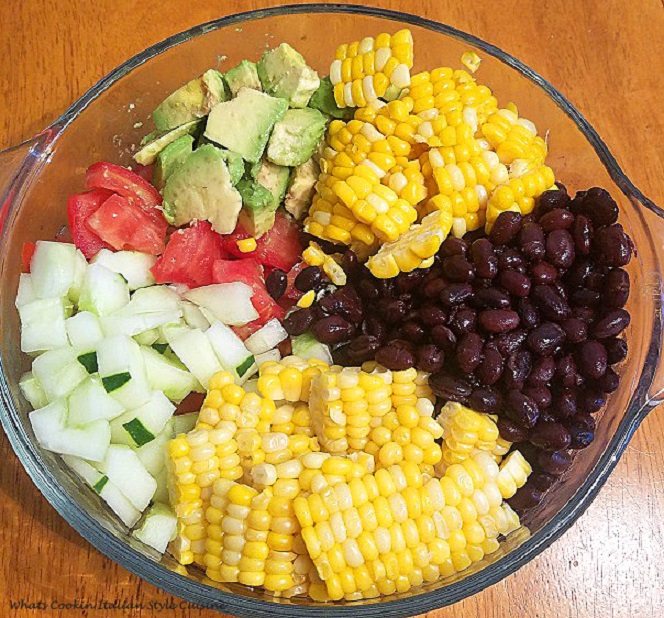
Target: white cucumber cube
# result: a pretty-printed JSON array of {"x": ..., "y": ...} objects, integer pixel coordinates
[
  {"x": 193, "y": 315},
  {"x": 26, "y": 290},
  {"x": 158, "y": 527},
  {"x": 270, "y": 355},
  {"x": 141, "y": 425},
  {"x": 32, "y": 390},
  {"x": 147, "y": 337},
  {"x": 84, "y": 331},
  {"x": 59, "y": 372},
  {"x": 184, "y": 423},
  {"x": 134, "y": 266},
  {"x": 42, "y": 325},
  {"x": 122, "y": 371},
  {"x": 231, "y": 351},
  {"x": 168, "y": 375},
  {"x": 103, "y": 291},
  {"x": 125, "y": 470},
  {"x": 90, "y": 402},
  {"x": 80, "y": 268},
  {"x": 53, "y": 268},
  {"x": 267, "y": 337},
  {"x": 195, "y": 351},
  {"x": 161, "y": 493},
  {"x": 229, "y": 303}
]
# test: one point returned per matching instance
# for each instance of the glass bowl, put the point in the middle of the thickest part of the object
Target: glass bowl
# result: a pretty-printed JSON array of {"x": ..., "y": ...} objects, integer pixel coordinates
[{"x": 107, "y": 121}]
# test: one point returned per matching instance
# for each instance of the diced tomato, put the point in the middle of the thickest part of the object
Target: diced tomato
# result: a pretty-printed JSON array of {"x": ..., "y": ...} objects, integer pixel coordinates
[
  {"x": 144, "y": 171},
  {"x": 104, "y": 175},
  {"x": 191, "y": 403},
  {"x": 26, "y": 255},
  {"x": 249, "y": 271},
  {"x": 123, "y": 224},
  {"x": 189, "y": 257},
  {"x": 292, "y": 293},
  {"x": 80, "y": 207}
]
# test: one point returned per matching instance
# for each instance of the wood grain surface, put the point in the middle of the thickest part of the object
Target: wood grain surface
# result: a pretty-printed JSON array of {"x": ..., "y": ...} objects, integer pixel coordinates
[{"x": 605, "y": 55}]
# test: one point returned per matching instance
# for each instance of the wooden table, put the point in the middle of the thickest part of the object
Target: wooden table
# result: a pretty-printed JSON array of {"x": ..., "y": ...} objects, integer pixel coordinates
[{"x": 605, "y": 55}]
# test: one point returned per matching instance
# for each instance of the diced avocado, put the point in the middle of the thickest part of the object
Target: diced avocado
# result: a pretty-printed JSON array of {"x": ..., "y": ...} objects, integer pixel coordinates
[
  {"x": 200, "y": 188},
  {"x": 323, "y": 101},
  {"x": 254, "y": 195},
  {"x": 275, "y": 179},
  {"x": 235, "y": 165},
  {"x": 284, "y": 73},
  {"x": 192, "y": 101},
  {"x": 150, "y": 136},
  {"x": 170, "y": 158},
  {"x": 244, "y": 75},
  {"x": 257, "y": 221},
  {"x": 149, "y": 152},
  {"x": 301, "y": 188},
  {"x": 244, "y": 123},
  {"x": 296, "y": 136}
]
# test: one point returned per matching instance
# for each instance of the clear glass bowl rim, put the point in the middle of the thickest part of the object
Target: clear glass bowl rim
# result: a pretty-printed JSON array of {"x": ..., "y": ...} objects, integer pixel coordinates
[{"x": 208, "y": 596}]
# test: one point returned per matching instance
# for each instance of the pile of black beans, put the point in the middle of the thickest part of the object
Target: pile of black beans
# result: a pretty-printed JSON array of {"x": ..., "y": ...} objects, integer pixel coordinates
[{"x": 524, "y": 323}]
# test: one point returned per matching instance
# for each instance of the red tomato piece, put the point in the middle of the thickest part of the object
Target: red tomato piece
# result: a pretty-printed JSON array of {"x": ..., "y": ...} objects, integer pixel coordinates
[
  {"x": 80, "y": 207},
  {"x": 104, "y": 175},
  {"x": 123, "y": 224},
  {"x": 144, "y": 171},
  {"x": 189, "y": 257},
  {"x": 26, "y": 255},
  {"x": 292, "y": 293}
]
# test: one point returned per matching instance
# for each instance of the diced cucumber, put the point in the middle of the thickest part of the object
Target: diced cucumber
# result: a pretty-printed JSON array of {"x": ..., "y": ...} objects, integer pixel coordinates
[
  {"x": 84, "y": 331},
  {"x": 161, "y": 493},
  {"x": 117, "y": 357},
  {"x": 194, "y": 316},
  {"x": 141, "y": 425},
  {"x": 89, "y": 361},
  {"x": 125, "y": 470},
  {"x": 42, "y": 325},
  {"x": 194, "y": 349},
  {"x": 158, "y": 527},
  {"x": 109, "y": 492},
  {"x": 90, "y": 402},
  {"x": 147, "y": 337},
  {"x": 32, "y": 390},
  {"x": 134, "y": 266},
  {"x": 230, "y": 303},
  {"x": 53, "y": 268},
  {"x": 59, "y": 372},
  {"x": 153, "y": 454},
  {"x": 90, "y": 442},
  {"x": 231, "y": 351},
  {"x": 103, "y": 291},
  {"x": 26, "y": 290},
  {"x": 167, "y": 375},
  {"x": 251, "y": 386},
  {"x": 161, "y": 348},
  {"x": 80, "y": 268},
  {"x": 270, "y": 355},
  {"x": 267, "y": 337},
  {"x": 184, "y": 423},
  {"x": 306, "y": 346},
  {"x": 154, "y": 299}
]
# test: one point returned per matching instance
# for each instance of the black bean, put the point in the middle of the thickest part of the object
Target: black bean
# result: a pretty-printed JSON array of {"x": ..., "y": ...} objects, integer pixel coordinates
[
  {"x": 498, "y": 320},
  {"x": 531, "y": 241},
  {"x": 333, "y": 329},
  {"x": 449, "y": 387},
  {"x": 309, "y": 279},
  {"x": 616, "y": 350},
  {"x": 576, "y": 275},
  {"x": 592, "y": 359},
  {"x": 276, "y": 283},
  {"x": 541, "y": 395},
  {"x": 368, "y": 290},
  {"x": 410, "y": 282},
  {"x": 394, "y": 311},
  {"x": 550, "y": 436},
  {"x": 598, "y": 205},
  {"x": 542, "y": 480},
  {"x": 491, "y": 298},
  {"x": 526, "y": 497},
  {"x": 491, "y": 367},
  {"x": 484, "y": 258},
  {"x": 581, "y": 437},
  {"x": 543, "y": 273},
  {"x": 362, "y": 348},
  {"x": 616, "y": 291},
  {"x": 508, "y": 343},
  {"x": 596, "y": 281},
  {"x": 566, "y": 403},
  {"x": 453, "y": 246},
  {"x": 350, "y": 263},
  {"x": 585, "y": 298},
  {"x": 528, "y": 313},
  {"x": 554, "y": 198},
  {"x": 430, "y": 358},
  {"x": 583, "y": 420},
  {"x": 591, "y": 400},
  {"x": 505, "y": 228},
  {"x": 544, "y": 368},
  {"x": 587, "y": 314},
  {"x": 582, "y": 233},
  {"x": 396, "y": 355},
  {"x": 458, "y": 268},
  {"x": 576, "y": 330},
  {"x": 443, "y": 337},
  {"x": 609, "y": 382},
  {"x": 546, "y": 338},
  {"x": 556, "y": 219},
  {"x": 554, "y": 462},
  {"x": 434, "y": 287},
  {"x": 612, "y": 246},
  {"x": 516, "y": 283},
  {"x": 522, "y": 409},
  {"x": 469, "y": 352},
  {"x": 456, "y": 294},
  {"x": 550, "y": 303},
  {"x": 464, "y": 321},
  {"x": 298, "y": 322},
  {"x": 511, "y": 259},
  {"x": 375, "y": 327},
  {"x": 484, "y": 400},
  {"x": 612, "y": 324},
  {"x": 517, "y": 368},
  {"x": 413, "y": 331},
  {"x": 560, "y": 248},
  {"x": 430, "y": 315},
  {"x": 344, "y": 302},
  {"x": 511, "y": 431},
  {"x": 567, "y": 371}
]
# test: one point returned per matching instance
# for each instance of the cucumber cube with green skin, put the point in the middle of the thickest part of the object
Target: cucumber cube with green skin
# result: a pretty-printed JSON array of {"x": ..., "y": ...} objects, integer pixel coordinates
[
  {"x": 32, "y": 390},
  {"x": 306, "y": 346},
  {"x": 190, "y": 102},
  {"x": 26, "y": 290},
  {"x": 193, "y": 316},
  {"x": 125, "y": 470},
  {"x": 229, "y": 303},
  {"x": 147, "y": 337},
  {"x": 284, "y": 73},
  {"x": 244, "y": 123},
  {"x": 161, "y": 495},
  {"x": 323, "y": 101},
  {"x": 184, "y": 423},
  {"x": 59, "y": 372},
  {"x": 201, "y": 189},
  {"x": 141, "y": 425},
  {"x": 153, "y": 454},
  {"x": 296, "y": 136},
  {"x": 103, "y": 291},
  {"x": 168, "y": 375},
  {"x": 244, "y": 75},
  {"x": 122, "y": 371},
  {"x": 231, "y": 352},
  {"x": 90, "y": 402},
  {"x": 134, "y": 266},
  {"x": 43, "y": 325},
  {"x": 170, "y": 158},
  {"x": 147, "y": 155},
  {"x": 158, "y": 528},
  {"x": 194, "y": 350},
  {"x": 84, "y": 331},
  {"x": 108, "y": 492}
]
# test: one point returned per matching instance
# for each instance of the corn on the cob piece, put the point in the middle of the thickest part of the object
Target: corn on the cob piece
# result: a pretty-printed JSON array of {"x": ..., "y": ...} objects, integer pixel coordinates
[
  {"x": 514, "y": 472},
  {"x": 288, "y": 379},
  {"x": 363, "y": 70},
  {"x": 514, "y": 138}
]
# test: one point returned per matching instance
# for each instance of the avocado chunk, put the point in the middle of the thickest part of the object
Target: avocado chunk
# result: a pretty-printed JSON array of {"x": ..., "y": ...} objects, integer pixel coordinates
[
  {"x": 200, "y": 188},
  {"x": 284, "y": 73},
  {"x": 296, "y": 136},
  {"x": 301, "y": 188},
  {"x": 323, "y": 101},
  {"x": 235, "y": 165},
  {"x": 192, "y": 101},
  {"x": 244, "y": 123},
  {"x": 149, "y": 152},
  {"x": 244, "y": 75},
  {"x": 257, "y": 215},
  {"x": 170, "y": 158},
  {"x": 275, "y": 179}
]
